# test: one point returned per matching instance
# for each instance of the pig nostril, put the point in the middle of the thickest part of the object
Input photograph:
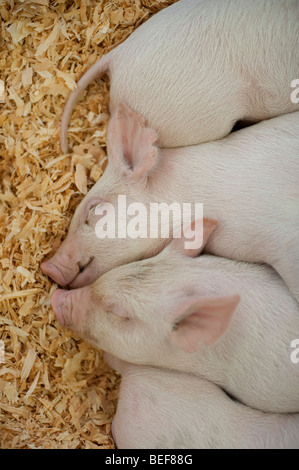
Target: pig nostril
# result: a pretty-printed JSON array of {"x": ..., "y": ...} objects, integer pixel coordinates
[
  {"x": 83, "y": 266},
  {"x": 83, "y": 274}
]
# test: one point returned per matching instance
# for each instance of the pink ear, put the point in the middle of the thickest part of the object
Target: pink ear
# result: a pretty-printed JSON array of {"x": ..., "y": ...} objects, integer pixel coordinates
[
  {"x": 205, "y": 226},
  {"x": 202, "y": 320},
  {"x": 130, "y": 142}
]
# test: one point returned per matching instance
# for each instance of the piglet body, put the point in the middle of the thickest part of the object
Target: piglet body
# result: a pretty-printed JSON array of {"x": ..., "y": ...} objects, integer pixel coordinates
[
  {"x": 197, "y": 67},
  {"x": 242, "y": 181},
  {"x": 160, "y": 409},
  {"x": 178, "y": 312}
]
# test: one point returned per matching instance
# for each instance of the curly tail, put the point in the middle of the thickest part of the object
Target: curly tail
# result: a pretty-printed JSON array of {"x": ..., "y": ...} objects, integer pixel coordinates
[{"x": 99, "y": 68}]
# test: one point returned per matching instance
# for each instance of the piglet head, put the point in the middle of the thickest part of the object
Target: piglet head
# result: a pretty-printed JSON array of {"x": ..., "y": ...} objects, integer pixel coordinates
[
  {"x": 141, "y": 311},
  {"x": 84, "y": 256},
  {"x": 100, "y": 316}
]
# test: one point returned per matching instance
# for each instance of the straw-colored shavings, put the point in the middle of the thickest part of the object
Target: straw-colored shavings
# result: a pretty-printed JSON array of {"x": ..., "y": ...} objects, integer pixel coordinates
[{"x": 55, "y": 389}]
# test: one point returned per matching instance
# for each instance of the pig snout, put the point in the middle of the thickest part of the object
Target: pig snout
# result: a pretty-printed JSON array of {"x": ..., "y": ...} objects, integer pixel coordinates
[
  {"x": 86, "y": 276},
  {"x": 66, "y": 264},
  {"x": 70, "y": 307}
]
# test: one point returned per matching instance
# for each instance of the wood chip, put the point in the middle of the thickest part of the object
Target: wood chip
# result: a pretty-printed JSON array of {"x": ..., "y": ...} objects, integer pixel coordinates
[
  {"x": 28, "y": 364},
  {"x": 81, "y": 178}
]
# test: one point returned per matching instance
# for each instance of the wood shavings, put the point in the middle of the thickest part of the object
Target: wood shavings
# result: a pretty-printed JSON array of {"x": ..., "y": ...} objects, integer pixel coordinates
[
  {"x": 55, "y": 390},
  {"x": 51, "y": 39},
  {"x": 18, "y": 31},
  {"x": 156, "y": 5},
  {"x": 28, "y": 364},
  {"x": 81, "y": 178},
  {"x": 2, "y": 92}
]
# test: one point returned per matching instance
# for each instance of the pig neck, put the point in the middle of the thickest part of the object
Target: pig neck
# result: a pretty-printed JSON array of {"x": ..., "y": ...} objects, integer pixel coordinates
[{"x": 185, "y": 175}]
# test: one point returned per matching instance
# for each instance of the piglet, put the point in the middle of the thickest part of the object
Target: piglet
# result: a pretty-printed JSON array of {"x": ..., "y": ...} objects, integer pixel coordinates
[
  {"x": 231, "y": 323},
  {"x": 198, "y": 66},
  {"x": 248, "y": 181},
  {"x": 159, "y": 409}
]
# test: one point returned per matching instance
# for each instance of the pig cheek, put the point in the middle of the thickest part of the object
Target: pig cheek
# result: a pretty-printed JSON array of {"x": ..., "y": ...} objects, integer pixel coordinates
[
  {"x": 84, "y": 323},
  {"x": 105, "y": 331},
  {"x": 93, "y": 330},
  {"x": 97, "y": 338}
]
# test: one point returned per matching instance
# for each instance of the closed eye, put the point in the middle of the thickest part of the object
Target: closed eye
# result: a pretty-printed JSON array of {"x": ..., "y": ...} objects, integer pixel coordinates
[
  {"x": 88, "y": 213},
  {"x": 92, "y": 217}
]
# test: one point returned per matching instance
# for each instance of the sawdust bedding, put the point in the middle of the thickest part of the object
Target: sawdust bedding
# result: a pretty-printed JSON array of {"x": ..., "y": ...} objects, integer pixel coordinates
[{"x": 55, "y": 390}]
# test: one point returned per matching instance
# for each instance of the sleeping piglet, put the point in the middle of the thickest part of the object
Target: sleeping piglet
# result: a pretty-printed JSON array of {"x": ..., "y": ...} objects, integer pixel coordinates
[
  {"x": 248, "y": 181},
  {"x": 229, "y": 322},
  {"x": 197, "y": 67},
  {"x": 159, "y": 409}
]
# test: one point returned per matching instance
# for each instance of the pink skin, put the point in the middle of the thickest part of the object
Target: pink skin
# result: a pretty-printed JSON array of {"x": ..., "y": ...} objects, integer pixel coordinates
[
  {"x": 170, "y": 410},
  {"x": 70, "y": 273},
  {"x": 236, "y": 166},
  {"x": 66, "y": 265},
  {"x": 52, "y": 270},
  {"x": 81, "y": 245},
  {"x": 62, "y": 304},
  {"x": 229, "y": 322},
  {"x": 190, "y": 72},
  {"x": 68, "y": 306},
  {"x": 69, "y": 260},
  {"x": 205, "y": 109}
]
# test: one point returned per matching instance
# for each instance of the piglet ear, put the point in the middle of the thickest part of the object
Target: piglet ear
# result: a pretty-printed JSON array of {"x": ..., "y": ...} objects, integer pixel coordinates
[
  {"x": 200, "y": 230},
  {"x": 202, "y": 321},
  {"x": 130, "y": 142}
]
